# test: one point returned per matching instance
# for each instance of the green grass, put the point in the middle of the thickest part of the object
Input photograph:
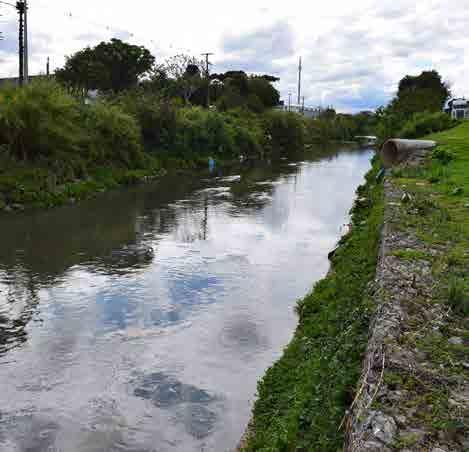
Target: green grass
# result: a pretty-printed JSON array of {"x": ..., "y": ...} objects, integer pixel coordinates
[
  {"x": 303, "y": 396},
  {"x": 39, "y": 186},
  {"x": 440, "y": 196},
  {"x": 438, "y": 214}
]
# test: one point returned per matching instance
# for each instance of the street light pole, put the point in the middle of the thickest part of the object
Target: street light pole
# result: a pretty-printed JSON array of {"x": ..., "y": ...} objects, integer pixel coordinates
[
  {"x": 207, "y": 75},
  {"x": 20, "y": 7},
  {"x": 26, "y": 49}
]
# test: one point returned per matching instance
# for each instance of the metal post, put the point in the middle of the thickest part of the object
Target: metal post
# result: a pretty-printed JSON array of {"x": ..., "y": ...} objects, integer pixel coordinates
[
  {"x": 207, "y": 75},
  {"x": 289, "y": 101},
  {"x": 26, "y": 46},
  {"x": 20, "y": 8},
  {"x": 299, "y": 81}
]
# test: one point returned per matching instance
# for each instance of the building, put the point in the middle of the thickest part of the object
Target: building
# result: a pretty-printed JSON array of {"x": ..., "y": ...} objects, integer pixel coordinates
[
  {"x": 458, "y": 108},
  {"x": 305, "y": 111}
]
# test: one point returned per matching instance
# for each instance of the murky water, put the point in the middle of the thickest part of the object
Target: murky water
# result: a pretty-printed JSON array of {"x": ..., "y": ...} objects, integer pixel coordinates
[{"x": 141, "y": 321}]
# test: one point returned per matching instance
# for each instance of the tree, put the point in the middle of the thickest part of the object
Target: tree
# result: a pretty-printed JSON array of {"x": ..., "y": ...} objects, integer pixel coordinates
[
  {"x": 425, "y": 92},
  {"x": 236, "y": 89},
  {"x": 185, "y": 71},
  {"x": 109, "y": 67},
  {"x": 263, "y": 89}
]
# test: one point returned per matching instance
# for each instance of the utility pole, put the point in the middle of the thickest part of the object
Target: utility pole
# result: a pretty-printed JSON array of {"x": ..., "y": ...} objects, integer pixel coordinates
[
  {"x": 289, "y": 101},
  {"x": 303, "y": 104},
  {"x": 48, "y": 67},
  {"x": 20, "y": 6},
  {"x": 207, "y": 75},
  {"x": 299, "y": 81},
  {"x": 26, "y": 46}
]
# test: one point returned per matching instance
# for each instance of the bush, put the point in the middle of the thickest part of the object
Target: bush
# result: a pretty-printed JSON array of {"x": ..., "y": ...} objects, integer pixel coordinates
[
  {"x": 156, "y": 115},
  {"x": 425, "y": 123},
  {"x": 114, "y": 136},
  {"x": 39, "y": 120},
  {"x": 287, "y": 130}
]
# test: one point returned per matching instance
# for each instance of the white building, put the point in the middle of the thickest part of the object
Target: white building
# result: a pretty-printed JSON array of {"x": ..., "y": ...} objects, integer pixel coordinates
[
  {"x": 458, "y": 108},
  {"x": 308, "y": 112}
]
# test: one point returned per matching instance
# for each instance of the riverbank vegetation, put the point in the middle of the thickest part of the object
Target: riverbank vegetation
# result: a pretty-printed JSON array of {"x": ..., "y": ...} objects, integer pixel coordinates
[
  {"x": 417, "y": 108},
  {"x": 304, "y": 396},
  {"x": 420, "y": 338},
  {"x": 112, "y": 115}
]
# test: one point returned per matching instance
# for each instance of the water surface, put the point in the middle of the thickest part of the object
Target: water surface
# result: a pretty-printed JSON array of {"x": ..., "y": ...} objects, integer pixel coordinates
[{"x": 142, "y": 320}]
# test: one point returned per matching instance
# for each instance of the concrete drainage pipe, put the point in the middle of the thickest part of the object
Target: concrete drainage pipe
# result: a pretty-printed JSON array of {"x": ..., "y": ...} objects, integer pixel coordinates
[{"x": 396, "y": 151}]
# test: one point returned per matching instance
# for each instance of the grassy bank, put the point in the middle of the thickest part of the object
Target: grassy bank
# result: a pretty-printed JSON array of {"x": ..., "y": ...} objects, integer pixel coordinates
[
  {"x": 304, "y": 396},
  {"x": 430, "y": 387},
  {"x": 439, "y": 189}
]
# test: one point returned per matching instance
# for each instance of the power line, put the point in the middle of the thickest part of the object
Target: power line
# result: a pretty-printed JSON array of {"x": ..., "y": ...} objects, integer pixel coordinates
[{"x": 9, "y": 4}]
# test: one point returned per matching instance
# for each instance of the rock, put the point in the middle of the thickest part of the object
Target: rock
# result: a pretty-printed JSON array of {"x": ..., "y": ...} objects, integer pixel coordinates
[
  {"x": 384, "y": 428},
  {"x": 437, "y": 449},
  {"x": 7, "y": 209},
  {"x": 373, "y": 446},
  {"x": 72, "y": 200},
  {"x": 453, "y": 402},
  {"x": 17, "y": 206},
  {"x": 401, "y": 420},
  {"x": 465, "y": 365},
  {"x": 415, "y": 435},
  {"x": 455, "y": 340}
]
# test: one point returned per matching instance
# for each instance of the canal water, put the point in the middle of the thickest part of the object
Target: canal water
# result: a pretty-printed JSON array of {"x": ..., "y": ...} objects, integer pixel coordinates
[{"x": 142, "y": 320}]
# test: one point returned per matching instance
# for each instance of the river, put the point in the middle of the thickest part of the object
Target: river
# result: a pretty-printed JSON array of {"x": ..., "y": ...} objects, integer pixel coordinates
[{"x": 142, "y": 320}]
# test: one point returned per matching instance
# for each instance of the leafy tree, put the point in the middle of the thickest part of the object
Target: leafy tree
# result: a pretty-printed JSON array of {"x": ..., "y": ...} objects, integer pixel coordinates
[
  {"x": 236, "y": 89},
  {"x": 425, "y": 92},
  {"x": 263, "y": 89},
  {"x": 109, "y": 67},
  {"x": 416, "y": 94},
  {"x": 185, "y": 73}
]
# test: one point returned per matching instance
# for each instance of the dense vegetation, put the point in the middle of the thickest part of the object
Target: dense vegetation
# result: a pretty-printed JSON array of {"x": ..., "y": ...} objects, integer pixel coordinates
[
  {"x": 54, "y": 146},
  {"x": 417, "y": 108},
  {"x": 57, "y": 142}
]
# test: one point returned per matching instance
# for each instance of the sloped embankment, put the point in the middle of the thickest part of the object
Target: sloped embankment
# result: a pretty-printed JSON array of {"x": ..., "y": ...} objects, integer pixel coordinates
[{"x": 414, "y": 390}]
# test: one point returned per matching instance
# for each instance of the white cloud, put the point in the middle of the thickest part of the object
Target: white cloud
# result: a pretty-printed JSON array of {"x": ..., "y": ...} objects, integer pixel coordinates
[{"x": 354, "y": 52}]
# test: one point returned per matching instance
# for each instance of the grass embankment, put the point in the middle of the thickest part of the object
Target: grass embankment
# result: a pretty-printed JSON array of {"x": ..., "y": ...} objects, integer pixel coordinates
[
  {"x": 437, "y": 214},
  {"x": 439, "y": 190},
  {"x": 304, "y": 396},
  {"x": 54, "y": 148}
]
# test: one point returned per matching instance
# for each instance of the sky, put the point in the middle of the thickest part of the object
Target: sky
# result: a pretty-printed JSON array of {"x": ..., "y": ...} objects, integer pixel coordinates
[{"x": 354, "y": 51}]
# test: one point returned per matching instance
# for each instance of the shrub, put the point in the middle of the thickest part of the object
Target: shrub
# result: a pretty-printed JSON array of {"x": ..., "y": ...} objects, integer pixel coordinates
[
  {"x": 114, "y": 136},
  {"x": 39, "y": 120},
  {"x": 286, "y": 130},
  {"x": 442, "y": 155},
  {"x": 425, "y": 123},
  {"x": 156, "y": 115}
]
